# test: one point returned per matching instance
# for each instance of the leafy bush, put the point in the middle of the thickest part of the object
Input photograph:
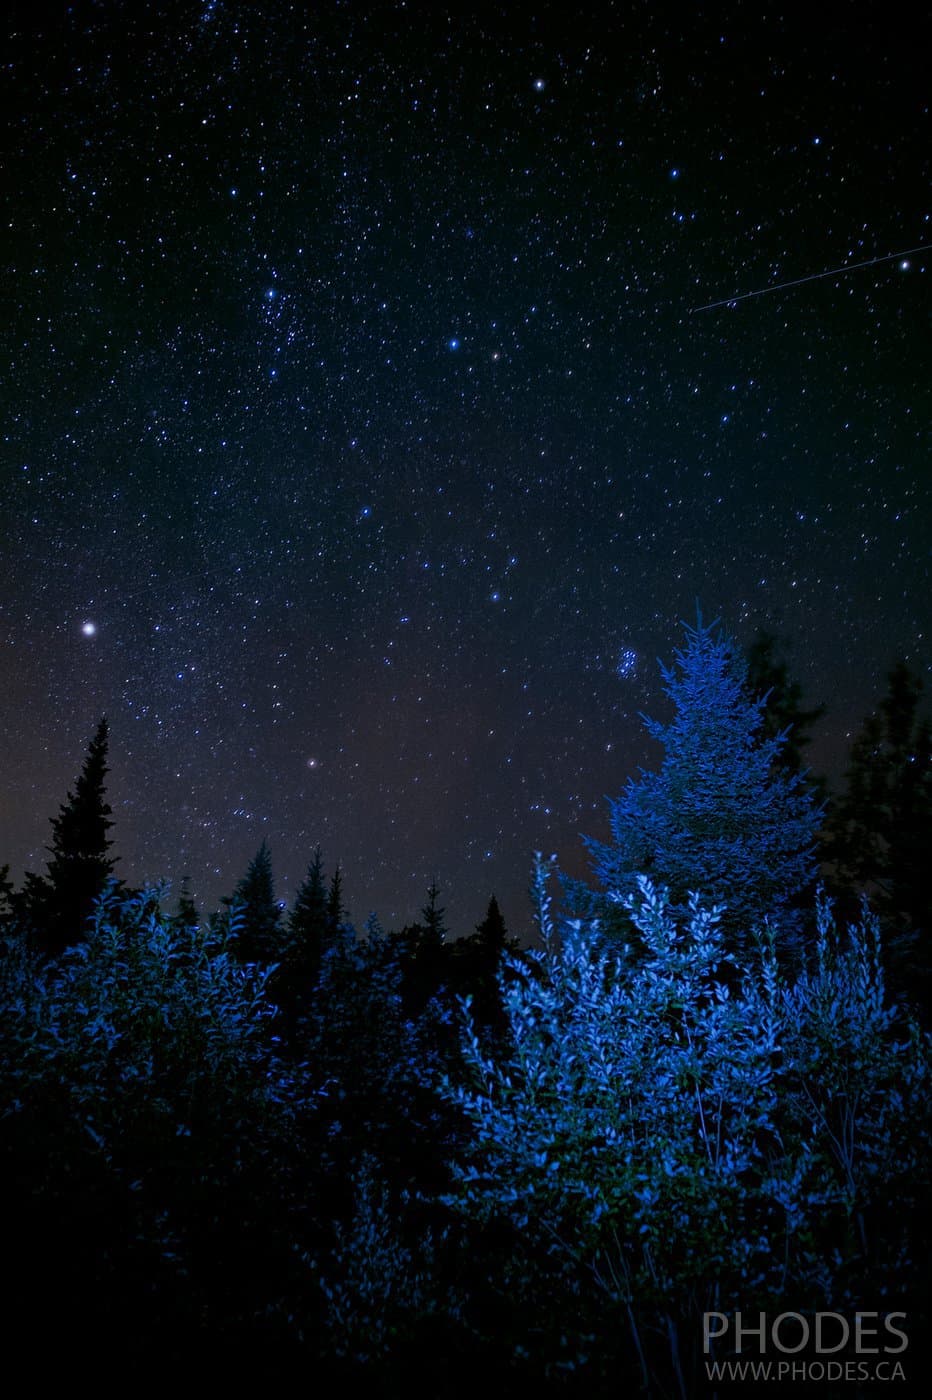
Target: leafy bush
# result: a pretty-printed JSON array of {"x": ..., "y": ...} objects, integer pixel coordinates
[
  {"x": 380, "y": 1289},
  {"x": 679, "y": 1132},
  {"x": 141, "y": 1104},
  {"x": 147, "y": 1023}
]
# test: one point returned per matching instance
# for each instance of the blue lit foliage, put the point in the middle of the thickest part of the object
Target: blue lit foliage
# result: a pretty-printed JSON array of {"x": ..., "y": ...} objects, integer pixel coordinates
[
  {"x": 683, "y": 1131},
  {"x": 379, "y": 1287},
  {"x": 139, "y": 1070},
  {"x": 720, "y": 817},
  {"x": 150, "y": 1130}
]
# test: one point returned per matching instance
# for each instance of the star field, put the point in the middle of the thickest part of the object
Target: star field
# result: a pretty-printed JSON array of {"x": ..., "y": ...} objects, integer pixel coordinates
[{"x": 363, "y": 446}]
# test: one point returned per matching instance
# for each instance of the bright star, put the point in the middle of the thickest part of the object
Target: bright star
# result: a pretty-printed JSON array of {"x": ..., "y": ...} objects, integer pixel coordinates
[
  {"x": 89, "y": 629},
  {"x": 539, "y": 84}
]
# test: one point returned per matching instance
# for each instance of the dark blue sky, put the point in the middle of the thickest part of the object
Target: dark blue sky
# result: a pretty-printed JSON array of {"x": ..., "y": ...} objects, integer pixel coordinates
[{"x": 354, "y": 402}]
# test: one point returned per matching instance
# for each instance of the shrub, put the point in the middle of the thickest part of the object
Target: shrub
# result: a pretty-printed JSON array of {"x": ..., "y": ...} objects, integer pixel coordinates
[
  {"x": 679, "y": 1132},
  {"x": 141, "y": 1103}
]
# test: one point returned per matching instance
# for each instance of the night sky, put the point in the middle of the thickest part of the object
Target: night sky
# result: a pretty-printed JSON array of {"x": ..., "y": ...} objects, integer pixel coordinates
[{"x": 363, "y": 446}]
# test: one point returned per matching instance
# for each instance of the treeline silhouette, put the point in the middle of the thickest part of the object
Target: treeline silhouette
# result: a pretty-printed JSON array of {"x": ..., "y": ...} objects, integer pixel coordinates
[{"x": 260, "y": 1138}]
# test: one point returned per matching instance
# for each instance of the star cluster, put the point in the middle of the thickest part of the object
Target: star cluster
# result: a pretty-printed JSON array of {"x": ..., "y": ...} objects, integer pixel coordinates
[{"x": 363, "y": 446}]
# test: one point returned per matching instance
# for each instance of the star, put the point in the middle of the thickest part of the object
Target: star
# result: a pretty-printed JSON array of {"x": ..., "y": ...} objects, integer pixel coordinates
[{"x": 89, "y": 629}]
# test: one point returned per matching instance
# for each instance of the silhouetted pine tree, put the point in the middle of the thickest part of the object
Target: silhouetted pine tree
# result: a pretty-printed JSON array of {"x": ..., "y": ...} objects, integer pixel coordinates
[
  {"x": 432, "y": 954},
  {"x": 721, "y": 817},
  {"x": 424, "y": 953},
  {"x": 335, "y": 910},
  {"x": 881, "y": 826},
  {"x": 492, "y": 934},
  {"x": 309, "y": 929},
  {"x": 6, "y": 888},
  {"x": 476, "y": 962},
  {"x": 435, "y": 930},
  {"x": 57, "y": 907},
  {"x": 260, "y": 938},
  {"x": 783, "y": 713},
  {"x": 6, "y": 898}
]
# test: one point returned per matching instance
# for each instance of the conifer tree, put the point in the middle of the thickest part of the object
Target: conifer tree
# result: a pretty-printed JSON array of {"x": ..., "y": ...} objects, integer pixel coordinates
[
  {"x": 6, "y": 888},
  {"x": 491, "y": 934},
  {"x": 881, "y": 827},
  {"x": 476, "y": 964},
  {"x": 435, "y": 930},
  {"x": 6, "y": 897},
  {"x": 57, "y": 907},
  {"x": 720, "y": 818},
  {"x": 783, "y": 712},
  {"x": 310, "y": 927},
  {"x": 425, "y": 953},
  {"x": 335, "y": 910},
  {"x": 260, "y": 935}
]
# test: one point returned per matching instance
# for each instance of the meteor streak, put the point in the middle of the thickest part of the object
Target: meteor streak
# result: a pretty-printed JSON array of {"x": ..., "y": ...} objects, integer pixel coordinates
[{"x": 813, "y": 277}]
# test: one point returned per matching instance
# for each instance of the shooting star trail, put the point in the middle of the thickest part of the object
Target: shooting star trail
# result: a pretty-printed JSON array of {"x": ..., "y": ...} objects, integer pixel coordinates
[{"x": 813, "y": 277}]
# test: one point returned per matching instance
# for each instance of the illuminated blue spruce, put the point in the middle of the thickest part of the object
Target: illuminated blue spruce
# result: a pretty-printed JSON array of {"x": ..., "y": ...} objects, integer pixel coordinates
[{"x": 722, "y": 817}]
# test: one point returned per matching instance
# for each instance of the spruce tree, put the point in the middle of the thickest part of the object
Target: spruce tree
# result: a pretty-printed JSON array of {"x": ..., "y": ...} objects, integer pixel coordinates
[
  {"x": 308, "y": 927},
  {"x": 720, "y": 818},
  {"x": 881, "y": 826},
  {"x": 58, "y": 906},
  {"x": 783, "y": 713},
  {"x": 425, "y": 954},
  {"x": 476, "y": 964},
  {"x": 6, "y": 898},
  {"x": 435, "y": 930},
  {"x": 335, "y": 910},
  {"x": 491, "y": 934},
  {"x": 260, "y": 937}
]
